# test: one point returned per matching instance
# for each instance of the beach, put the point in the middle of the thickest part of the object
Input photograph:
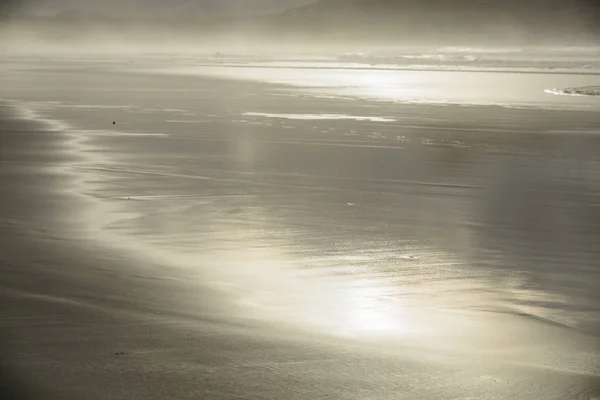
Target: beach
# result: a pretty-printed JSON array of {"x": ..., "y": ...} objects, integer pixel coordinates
[{"x": 177, "y": 234}]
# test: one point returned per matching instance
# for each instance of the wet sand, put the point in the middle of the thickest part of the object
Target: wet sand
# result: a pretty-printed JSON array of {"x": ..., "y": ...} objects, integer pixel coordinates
[{"x": 194, "y": 250}]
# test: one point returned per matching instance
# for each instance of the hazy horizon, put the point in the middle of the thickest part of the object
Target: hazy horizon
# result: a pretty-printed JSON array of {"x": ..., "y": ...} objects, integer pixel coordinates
[{"x": 297, "y": 25}]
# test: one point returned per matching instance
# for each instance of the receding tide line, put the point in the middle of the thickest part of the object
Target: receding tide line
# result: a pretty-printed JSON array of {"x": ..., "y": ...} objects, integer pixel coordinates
[{"x": 319, "y": 117}]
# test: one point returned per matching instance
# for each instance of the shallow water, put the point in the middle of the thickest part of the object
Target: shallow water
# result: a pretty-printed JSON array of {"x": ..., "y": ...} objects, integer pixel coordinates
[{"x": 530, "y": 88}]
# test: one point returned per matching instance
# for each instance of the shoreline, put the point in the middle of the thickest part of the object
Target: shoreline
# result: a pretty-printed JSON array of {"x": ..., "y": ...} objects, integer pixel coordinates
[{"x": 79, "y": 221}]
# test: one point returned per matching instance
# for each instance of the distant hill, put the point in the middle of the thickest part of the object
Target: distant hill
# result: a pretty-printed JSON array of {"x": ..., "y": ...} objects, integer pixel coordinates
[
  {"x": 442, "y": 19},
  {"x": 316, "y": 22},
  {"x": 137, "y": 9}
]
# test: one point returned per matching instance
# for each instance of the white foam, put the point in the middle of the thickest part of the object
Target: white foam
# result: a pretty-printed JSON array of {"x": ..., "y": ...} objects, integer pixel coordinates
[
  {"x": 320, "y": 117},
  {"x": 183, "y": 121},
  {"x": 100, "y": 132},
  {"x": 96, "y": 106}
]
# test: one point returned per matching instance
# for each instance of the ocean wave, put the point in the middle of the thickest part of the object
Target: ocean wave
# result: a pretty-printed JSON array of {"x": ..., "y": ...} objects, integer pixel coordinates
[
  {"x": 472, "y": 61},
  {"x": 542, "y": 59},
  {"x": 576, "y": 91}
]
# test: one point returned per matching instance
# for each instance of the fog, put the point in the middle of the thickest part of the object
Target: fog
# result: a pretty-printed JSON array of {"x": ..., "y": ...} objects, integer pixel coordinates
[{"x": 291, "y": 26}]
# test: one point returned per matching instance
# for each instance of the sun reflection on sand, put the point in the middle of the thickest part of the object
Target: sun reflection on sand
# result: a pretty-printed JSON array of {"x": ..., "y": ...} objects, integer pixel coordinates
[
  {"x": 373, "y": 310},
  {"x": 272, "y": 285}
]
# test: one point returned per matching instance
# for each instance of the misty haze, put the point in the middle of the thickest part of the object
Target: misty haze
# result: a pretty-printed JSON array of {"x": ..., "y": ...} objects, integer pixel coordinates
[{"x": 296, "y": 199}]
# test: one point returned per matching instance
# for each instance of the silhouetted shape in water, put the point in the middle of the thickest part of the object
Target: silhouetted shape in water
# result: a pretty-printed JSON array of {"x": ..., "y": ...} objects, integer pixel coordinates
[{"x": 114, "y": 122}]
